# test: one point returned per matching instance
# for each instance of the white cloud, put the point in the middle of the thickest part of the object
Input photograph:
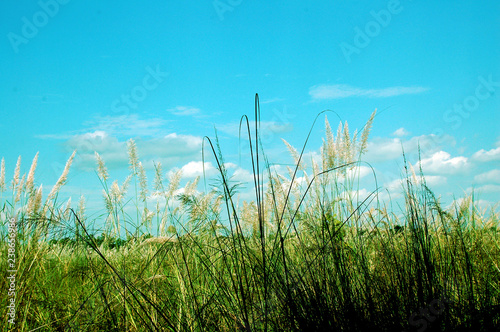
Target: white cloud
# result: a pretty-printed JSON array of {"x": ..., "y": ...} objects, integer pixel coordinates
[
  {"x": 401, "y": 132},
  {"x": 242, "y": 175},
  {"x": 110, "y": 148},
  {"x": 170, "y": 150},
  {"x": 441, "y": 162},
  {"x": 486, "y": 204},
  {"x": 383, "y": 149},
  {"x": 230, "y": 165},
  {"x": 195, "y": 168},
  {"x": 485, "y": 156},
  {"x": 491, "y": 176},
  {"x": 488, "y": 188},
  {"x": 435, "y": 180},
  {"x": 184, "y": 110},
  {"x": 127, "y": 125},
  {"x": 309, "y": 156},
  {"x": 394, "y": 186},
  {"x": 481, "y": 203},
  {"x": 359, "y": 172},
  {"x": 431, "y": 180},
  {"x": 359, "y": 195},
  {"x": 337, "y": 91}
]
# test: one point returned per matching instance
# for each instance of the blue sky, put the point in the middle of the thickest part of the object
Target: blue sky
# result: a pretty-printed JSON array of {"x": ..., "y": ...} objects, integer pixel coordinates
[{"x": 89, "y": 75}]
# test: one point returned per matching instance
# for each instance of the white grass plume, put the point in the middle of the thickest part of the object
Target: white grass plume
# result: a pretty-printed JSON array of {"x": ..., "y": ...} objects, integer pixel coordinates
[
  {"x": 62, "y": 179},
  {"x": 31, "y": 175}
]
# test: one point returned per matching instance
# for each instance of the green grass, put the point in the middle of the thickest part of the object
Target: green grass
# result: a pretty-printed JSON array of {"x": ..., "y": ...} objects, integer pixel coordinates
[{"x": 308, "y": 258}]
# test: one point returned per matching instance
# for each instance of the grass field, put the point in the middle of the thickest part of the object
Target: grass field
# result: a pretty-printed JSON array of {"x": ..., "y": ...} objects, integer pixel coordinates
[{"x": 304, "y": 256}]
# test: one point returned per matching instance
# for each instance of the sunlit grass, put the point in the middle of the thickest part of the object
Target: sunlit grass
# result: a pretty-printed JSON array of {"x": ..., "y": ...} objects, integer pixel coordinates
[{"x": 308, "y": 254}]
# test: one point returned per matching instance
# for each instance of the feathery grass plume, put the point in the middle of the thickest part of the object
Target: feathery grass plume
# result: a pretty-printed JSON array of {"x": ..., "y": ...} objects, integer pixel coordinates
[
  {"x": 67, "y": 209},
  {"x": 217, "y": 203},
  {"x": 19, "y": 189},
  {"x": 31, "y": 204},
  {"x": 347, "y": 148},
  {"x": 249, "y": 216},
  {"x": 172, "y": 229},
  {"x": 125, "y": 184},
  {"x": 316, "y": 183},
  {"x": 201, "y": 209},
  {"x": 158, "y": 184},
  {"x": 2, "y": 176},
  {"x": 413, "y": 174},
  {"x": 338, "y": 140},
  {"x": 17, "y": 172},
  {"x": 81, "y": 208},
  {"x": 173, "y": 185},
  {"x": 112, "y": 200},
  {"x": 143, "y": 182},
  {"x": 354, "y": 145},
  {"x": 366, "y": 132},
  {"x": 355, "y": 137},
  {"x": 161, "y": 239},
  {"x": 290, "y": 172},
  {"x": 35, "y": 202},
  {"x": 147, "y": 216},
  {"x": 156, "y": 277},
  {"x": 278, "y": 197},
  {"x": 115, "y": 193},
  {"x": 329, "y": 153},
  {"x": 102, "y": 171},
  {"x": 293, "y": 152},
  {"x": 49, "y": 204},
  {"x": 81, "y": 216},
  {"x": 108, "y": 202},
  {"x": 163, "y": 222},
  {"x": 329, "y": 134},
  {"x": 324, "y": 155},
  {"x": 190, "y": 187},
  {"x": 335, "y": 153},
  {"x": 31, "y": 175},
  {"x": 133, "y": 159},
  {"x": 62, "y": 179}
]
